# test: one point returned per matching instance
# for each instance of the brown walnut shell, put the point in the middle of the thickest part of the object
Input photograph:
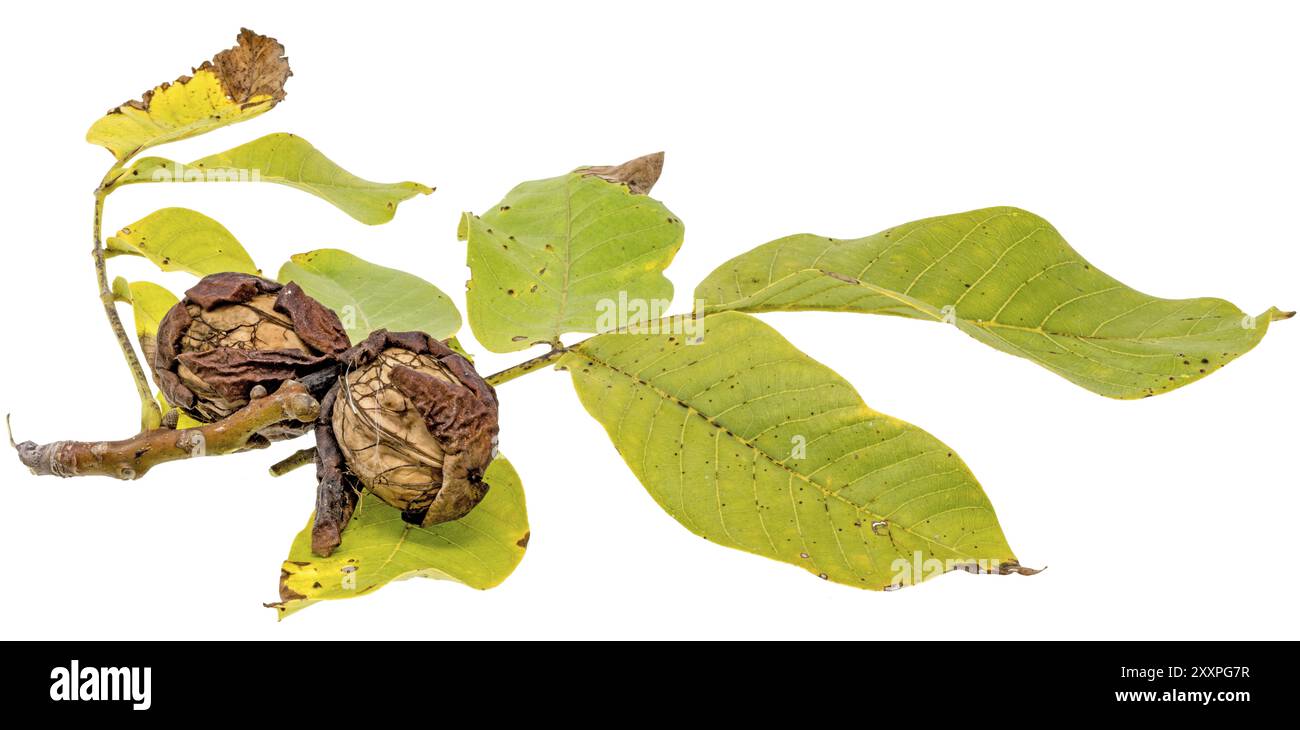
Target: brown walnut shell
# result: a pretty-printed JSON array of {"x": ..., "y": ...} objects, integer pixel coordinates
[
  {"x": 233, "y": 332},
  {"x": 411, "y": 421}
]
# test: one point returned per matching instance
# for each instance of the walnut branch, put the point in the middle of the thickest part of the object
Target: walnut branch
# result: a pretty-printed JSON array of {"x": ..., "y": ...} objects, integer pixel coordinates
[{"x": 131, "y": 458}]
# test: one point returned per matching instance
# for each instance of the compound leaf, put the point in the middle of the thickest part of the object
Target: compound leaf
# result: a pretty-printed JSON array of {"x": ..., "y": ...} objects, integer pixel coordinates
[
  {"x": 479, "y": 550},
  {"x": 557, "y": 254},
  {"x": 752, "y": 444},
  {"x": 237, "y": 84},
  {"x": 1007, "y": 278},
  {"x": 180, "y": 239},
  {"x": 368, "y": 296},
  {"x": 288, "y": 160}
]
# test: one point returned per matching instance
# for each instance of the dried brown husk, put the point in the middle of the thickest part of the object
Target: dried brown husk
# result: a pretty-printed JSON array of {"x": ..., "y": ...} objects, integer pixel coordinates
[
  {"x": 234, "y": 332},
  {"x": 412, "y": 422}
]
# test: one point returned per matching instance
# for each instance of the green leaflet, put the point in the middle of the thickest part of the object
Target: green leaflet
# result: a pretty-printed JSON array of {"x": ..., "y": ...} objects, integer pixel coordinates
[
  {"x": 1007, "y": 278},
  {"x": 149, "y": 303},
  {"x": 750, "y": 443},
  {"x": 288, "y": 160},
  {"x": 180, "y": 239},
  {"x": 368, "y": 297},
  {"x": 557, "y": 254},
  {"x": 480, "y": 550}
]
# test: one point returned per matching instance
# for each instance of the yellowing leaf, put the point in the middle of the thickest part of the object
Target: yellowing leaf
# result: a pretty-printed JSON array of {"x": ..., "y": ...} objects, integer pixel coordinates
[
  {"x": 480, "y": 550},
  {"x": 368, "y": 297},
  {"x": 557, "y": 255},
  {"x": 180, "y": 239},
  {"x": 149, "y": 303},
  {"x": 1007, "y": 278},
  {"x": 752, "y": 444},
  {"x": 237, "y": 84},
  {"x": 288, "y": 160}
]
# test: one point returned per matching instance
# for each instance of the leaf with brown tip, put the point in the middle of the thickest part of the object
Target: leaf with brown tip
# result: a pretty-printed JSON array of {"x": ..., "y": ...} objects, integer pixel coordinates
[{"x": 239, "y": 83}]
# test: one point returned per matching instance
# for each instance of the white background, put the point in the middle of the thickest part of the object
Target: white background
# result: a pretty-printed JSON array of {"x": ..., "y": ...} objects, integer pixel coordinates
[{"x": 1160, "y": 138}]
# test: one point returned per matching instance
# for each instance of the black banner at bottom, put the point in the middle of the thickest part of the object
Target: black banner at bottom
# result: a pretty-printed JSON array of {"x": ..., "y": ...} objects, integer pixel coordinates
[{"x": 329, "y": 681}]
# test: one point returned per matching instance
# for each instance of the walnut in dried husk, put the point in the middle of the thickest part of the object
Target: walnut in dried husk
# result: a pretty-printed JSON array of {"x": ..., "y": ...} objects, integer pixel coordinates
[
  {"x": 411, "y": 421},
  {"x": 234, "y": 333}
]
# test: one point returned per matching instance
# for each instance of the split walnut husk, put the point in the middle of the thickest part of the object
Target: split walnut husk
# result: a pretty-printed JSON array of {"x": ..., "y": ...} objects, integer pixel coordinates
[
  {"x": 236, "y": 335},
  {"x": 409, "y": 420}
]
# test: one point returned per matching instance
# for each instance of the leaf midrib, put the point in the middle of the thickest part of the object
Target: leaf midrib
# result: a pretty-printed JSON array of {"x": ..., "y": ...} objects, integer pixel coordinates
[
  {"x": 568, "y": 259},
  {"x": 925, "y": 309}
]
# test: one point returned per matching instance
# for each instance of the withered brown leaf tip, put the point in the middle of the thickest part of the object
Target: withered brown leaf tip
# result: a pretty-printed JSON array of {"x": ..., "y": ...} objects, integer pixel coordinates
[
  {"x": 234, "y": 332},
  {"x": 256, "y": 66},
  {"x": 639, "y": 175},
  {"x": 411, "y": 421}
]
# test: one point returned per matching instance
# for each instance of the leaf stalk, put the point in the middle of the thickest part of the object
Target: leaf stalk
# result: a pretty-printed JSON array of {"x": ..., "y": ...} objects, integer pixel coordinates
[
  {"x": 150, "y": 412},
  {"x": 526, "y": 367}
]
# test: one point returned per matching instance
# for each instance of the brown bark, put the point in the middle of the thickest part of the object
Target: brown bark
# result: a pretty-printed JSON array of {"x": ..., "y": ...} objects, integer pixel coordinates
[{"x": 131, "y": 458}]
